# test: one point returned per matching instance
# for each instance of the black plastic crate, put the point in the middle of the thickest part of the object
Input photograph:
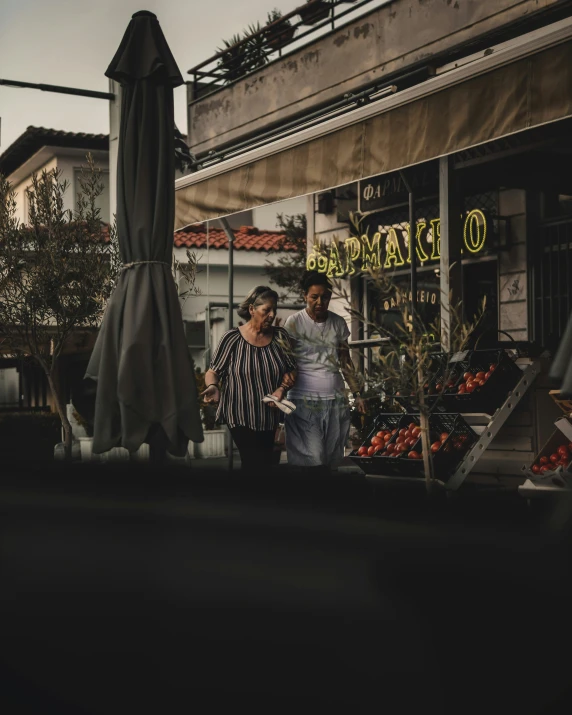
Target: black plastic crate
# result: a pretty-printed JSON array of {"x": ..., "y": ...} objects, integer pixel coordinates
[
  {"x": 486, "y": 398},
  {"x": 377, "y": 464},
  {"x": 445, "y": 460}
]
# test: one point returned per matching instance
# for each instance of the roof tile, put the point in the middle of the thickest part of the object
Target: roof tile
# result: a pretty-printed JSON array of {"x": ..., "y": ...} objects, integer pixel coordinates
[{"x": 247, "y": 238}]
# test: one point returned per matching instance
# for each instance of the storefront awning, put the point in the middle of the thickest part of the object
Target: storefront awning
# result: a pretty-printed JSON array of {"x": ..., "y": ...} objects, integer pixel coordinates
[{"x": 514, "y": 88}]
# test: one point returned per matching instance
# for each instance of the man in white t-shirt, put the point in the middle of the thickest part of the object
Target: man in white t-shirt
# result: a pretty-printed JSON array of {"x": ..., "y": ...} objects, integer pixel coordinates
[{"x": 317, "y": 432}]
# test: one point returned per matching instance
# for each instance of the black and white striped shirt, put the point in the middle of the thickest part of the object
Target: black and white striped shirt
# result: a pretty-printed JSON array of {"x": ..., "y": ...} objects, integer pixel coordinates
[{"x": 248, "y": 373}]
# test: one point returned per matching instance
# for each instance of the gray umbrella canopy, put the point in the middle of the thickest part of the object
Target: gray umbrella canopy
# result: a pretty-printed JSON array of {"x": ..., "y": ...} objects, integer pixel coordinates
[{"x": 141, "y": 361}]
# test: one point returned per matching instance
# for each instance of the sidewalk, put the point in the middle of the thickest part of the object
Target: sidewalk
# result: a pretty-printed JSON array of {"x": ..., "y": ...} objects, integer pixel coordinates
[{"x": 218, "y": 463}]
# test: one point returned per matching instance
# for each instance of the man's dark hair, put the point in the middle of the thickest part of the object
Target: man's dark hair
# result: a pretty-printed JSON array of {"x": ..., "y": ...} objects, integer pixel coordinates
[{"x": 313, "y": 278}]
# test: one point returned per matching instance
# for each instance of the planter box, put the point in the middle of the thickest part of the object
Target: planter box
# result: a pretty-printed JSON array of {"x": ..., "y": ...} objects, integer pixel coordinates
[
  {"x": 117, "y": 454},
  {"x": 213, "y": 446}
]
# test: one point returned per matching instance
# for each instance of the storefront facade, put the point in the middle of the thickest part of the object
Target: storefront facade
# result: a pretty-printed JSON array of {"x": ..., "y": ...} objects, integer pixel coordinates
[{"x": 482, "y": 146}]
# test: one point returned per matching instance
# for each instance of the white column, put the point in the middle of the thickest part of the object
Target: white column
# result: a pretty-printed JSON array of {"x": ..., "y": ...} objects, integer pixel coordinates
[{"x": 114, "y": 121}]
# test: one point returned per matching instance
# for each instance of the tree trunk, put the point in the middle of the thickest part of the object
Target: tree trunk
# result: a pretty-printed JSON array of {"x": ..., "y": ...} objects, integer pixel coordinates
[
  {"x": 425, "y": 436},
  {"x": 426, "y": 447},
  {"x": 61, "y": 408}
]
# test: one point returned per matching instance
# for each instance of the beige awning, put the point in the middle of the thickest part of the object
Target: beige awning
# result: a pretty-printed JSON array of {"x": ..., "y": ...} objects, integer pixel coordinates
[{"x": 444, "y": 115}]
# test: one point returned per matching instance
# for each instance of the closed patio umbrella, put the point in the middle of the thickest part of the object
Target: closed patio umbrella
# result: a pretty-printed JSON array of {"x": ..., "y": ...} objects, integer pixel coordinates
[{"x": 141, "y": 363}]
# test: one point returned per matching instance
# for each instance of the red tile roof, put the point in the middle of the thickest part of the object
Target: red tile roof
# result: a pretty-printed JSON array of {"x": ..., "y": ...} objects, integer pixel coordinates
[{"x": 246, "y": 238}]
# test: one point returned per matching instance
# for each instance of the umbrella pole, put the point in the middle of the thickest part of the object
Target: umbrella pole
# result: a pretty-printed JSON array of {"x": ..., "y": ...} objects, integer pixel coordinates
[{"x": 230, "y": 236}]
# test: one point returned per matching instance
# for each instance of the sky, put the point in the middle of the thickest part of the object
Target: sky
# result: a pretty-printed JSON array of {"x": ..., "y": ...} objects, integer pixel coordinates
[{"x": 71, "y": 43}]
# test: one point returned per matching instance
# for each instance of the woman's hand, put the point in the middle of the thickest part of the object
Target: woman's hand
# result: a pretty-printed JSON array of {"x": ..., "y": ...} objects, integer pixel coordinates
[
  {"x": 359, "y": 404},
  {"x": 289, "y": 379},
  {"x": 279, "y": 395},
  {"x": 211, "y": 394}
]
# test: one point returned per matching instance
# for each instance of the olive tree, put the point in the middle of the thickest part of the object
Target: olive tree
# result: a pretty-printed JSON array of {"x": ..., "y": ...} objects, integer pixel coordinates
[{"x": 57, "y": 272}]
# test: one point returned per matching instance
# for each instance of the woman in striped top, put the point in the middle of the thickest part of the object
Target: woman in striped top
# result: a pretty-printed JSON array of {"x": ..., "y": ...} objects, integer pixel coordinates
[{"x": 252, "y": 361}]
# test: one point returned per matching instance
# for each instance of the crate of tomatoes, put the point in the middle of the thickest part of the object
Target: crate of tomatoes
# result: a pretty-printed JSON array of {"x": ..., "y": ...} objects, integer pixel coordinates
[
  {"x": 555, "y": 456},
  {"x": 478, "y": 382},
  {"x": 393, "y": 447}
]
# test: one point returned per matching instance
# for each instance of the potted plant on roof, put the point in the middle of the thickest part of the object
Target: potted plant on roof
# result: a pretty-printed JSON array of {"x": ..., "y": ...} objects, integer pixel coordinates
[
  {"x": 314, "y": 11},
  {"x": 279, "y": 31},
  {"x": 233, "y": 62}
]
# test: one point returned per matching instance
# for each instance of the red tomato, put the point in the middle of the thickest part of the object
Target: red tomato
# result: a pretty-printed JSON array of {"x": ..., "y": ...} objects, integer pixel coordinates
[
  {"x": 371, "y": 450},
  {"x": 468, "y": 376},
  {"x": 435, "y": 446},
  {"x": 374, "y": 441},
  {"x": 462, "y": 389},
  {"x": 394, "y": 431},
  {"x": 412, "y": 425},
  {"x": 443, "y": 436},
  {"x": 544, "y": 469},
  {"x": 402, "y": 432},
  {"x": 457, "y": 444},
  {"x": 412, "y": 440},
  {"x": 563, "y": 450},
  {"x": 554, "y": 457},
  {"x": 471, "y": 386},
  {"x": 535, "y": 468},
  {"x": 390, "y": 448},
  {"x": 416, "y": 432},
  {"x": 544, "y": 460},
  {"x": 380, "y": 434},
  {"x": 413, "y": 454},
  {"x": 387, "y": 438},
  {"x": 488, "y": 374},
  {"x": 439, "y": 387},
  {"x": 378, "y": 448},
  {"x": 403, "y": 447},
  {"x": 361, "y": 451},
  {"x": 492, "y": 367},
  {"x": 480, "y": 375}
]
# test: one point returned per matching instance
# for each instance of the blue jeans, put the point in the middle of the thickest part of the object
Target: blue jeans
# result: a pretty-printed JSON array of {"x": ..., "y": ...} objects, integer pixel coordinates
[{"x": 317, "y": 432}]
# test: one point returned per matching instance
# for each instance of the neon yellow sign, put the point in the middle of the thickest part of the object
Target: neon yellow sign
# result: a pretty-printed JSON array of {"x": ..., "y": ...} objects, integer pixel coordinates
[{"x": 391, "y": 246}]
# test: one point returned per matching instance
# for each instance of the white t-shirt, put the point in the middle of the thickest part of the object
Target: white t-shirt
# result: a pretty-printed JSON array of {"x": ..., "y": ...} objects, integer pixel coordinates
[{"x": 316, "y": 351}]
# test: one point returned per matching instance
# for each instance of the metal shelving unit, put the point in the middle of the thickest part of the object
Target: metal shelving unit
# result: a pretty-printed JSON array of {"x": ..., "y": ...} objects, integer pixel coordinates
[{"x": 487, "y": 432}]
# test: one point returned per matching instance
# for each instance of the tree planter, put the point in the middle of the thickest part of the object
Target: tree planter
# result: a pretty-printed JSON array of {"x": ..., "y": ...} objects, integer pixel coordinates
[
  {"x": 314, "y": 11},
  {"x": 279, "y": 35},
  {"x": 117, "y": 454},
  {"x": 213, "y": 446}
]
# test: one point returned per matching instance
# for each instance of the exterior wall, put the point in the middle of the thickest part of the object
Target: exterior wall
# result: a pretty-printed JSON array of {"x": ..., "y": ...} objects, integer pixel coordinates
[
  {"x": 71, "y": 168},
  {"x": 20, "y": 190},
  {"x": 513, "y": 299},
  {"x": 393, "y": 38},
  {"x": 69, "y": 164}
]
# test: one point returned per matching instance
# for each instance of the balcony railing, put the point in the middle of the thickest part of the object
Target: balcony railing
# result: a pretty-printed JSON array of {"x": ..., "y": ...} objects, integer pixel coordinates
[{"x": 283, "y": 36}]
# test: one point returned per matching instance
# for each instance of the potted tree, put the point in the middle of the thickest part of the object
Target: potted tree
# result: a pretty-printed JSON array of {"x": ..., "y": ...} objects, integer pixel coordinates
[
  {"x": 214, "y": 443},
  {"x": 279, "y": 31},
  {"x": 314, "y": 11}
]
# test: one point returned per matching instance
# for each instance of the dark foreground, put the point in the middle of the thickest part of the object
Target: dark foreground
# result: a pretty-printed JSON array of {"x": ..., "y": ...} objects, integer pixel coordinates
[{"x": 167, "y": 592}]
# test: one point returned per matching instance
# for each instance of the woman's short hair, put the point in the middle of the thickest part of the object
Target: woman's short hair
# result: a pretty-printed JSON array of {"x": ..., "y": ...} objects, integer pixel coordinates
[
  {"x": 313, "y": 278},
  {"x": 257, "y": 296}
]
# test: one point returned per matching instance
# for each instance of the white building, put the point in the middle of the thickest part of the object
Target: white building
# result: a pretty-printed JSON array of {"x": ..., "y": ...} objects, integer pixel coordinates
[{"x": 39, "y": 149}]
